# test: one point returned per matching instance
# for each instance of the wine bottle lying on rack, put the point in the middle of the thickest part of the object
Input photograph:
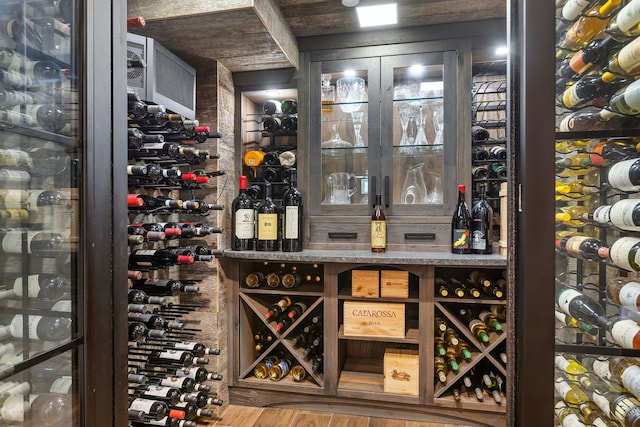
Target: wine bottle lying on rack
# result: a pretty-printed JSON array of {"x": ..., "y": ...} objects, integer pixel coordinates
[{"x": 165, "y": 287}]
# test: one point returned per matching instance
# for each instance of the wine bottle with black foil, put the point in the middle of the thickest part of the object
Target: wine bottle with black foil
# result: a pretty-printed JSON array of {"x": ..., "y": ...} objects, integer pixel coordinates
[
  {"x": 268, "y": 223},
  {"x": 293, "y": 223},
  {"x": 461, "y": 226},
  {"x": 242, "y": 219},
  {"x": 481, "y": 225},
  {"x": 378, "y": 228},
  {"x": 580, "y": 306}
]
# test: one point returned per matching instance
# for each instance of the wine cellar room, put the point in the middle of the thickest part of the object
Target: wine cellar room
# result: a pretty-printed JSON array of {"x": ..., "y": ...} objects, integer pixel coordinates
[{"x": 327, "y": 223}]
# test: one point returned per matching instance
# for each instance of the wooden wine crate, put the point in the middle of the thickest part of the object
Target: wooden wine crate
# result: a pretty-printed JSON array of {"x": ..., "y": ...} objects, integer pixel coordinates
[
  {"x": 401, "y": 371},
  {"x": 394, "y": 284},
  {"x": 365, "y": 283},
  {"x": 374, "y": 319}
]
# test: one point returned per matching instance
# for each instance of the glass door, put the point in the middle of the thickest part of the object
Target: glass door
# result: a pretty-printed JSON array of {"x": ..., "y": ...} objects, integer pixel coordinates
[
  {"x": 40, "y": 157},
  {"x": 348, "y": 143},
  {"x": 597, "y": 359},
  {"x": 419, "y": 104}
]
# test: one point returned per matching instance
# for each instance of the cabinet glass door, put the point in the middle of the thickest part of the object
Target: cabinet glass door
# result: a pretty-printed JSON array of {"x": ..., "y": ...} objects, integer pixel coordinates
[
  {"x": 348, "y": 129},
  {"x": 597, "y": 360},
  {"x": 40, "y": 154},
  {"x": 420, "y": 108}
]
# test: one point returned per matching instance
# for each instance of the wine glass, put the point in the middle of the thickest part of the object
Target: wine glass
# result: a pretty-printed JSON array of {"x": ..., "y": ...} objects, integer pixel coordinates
[
  {"x": 350, "y": 93},
  {"x": 421, "y": 136},
  {"x": 357, "y": 117}
]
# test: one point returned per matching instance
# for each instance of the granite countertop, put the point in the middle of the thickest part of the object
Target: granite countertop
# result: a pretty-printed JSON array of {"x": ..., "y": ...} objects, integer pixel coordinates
[{"x": 368, "y": 257}]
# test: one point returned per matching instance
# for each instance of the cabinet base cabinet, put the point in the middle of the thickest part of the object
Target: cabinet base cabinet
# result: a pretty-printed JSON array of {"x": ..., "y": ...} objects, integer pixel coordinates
[
  {"x": 362, "y": 337},
  {"x": 394, "y": 407}
]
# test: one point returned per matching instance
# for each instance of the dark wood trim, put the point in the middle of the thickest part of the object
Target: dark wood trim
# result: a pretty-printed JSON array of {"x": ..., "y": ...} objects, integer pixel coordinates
[
  {"x": 104, "y": 211},
  {"x": 483, "y": 33},
  {"x": 532, "y": 258}
]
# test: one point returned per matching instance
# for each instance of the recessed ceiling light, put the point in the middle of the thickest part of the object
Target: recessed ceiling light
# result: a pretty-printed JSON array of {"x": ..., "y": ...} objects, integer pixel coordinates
[
  {"x": 349, "y": 73},
  {"x": 416, "y": 70},
  {"x": 350, "y": 3},
  {"x": 373, "y": 16}
]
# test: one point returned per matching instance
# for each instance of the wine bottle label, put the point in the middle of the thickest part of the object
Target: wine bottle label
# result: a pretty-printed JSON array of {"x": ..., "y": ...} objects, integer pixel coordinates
[
  {"x": 13, "y": 216},
  {"x": 267, "y": 226},
  {"x": 602, "y": 214},
  {"x": 624, "y": 331},
  {"x": 599, "y": 422},
  {"x": 562, "y": 363},
  {"x": 186, "y": 346},
  {"x": 631, "y": 379},
  {"x": 379, "y": 234},
  {"x": 628, "y": 16},
  {"x": 14, "y": 408},
  {"x": 62, "y": 385},
  {"x": 572, "y": 9},
  {"x": 176, "y": 382},
  {"x": 565, "y": 297},
  {"x": 163, "y": 422},
  {"x": 144, "y": 405},
  {"x": 144, "y": 253},
  {"x": 478, "y": 239},
  {"x": 570, "y": 97},
  {"x": 621, "y": 214},
  {"x": 171, "y": 355},
  {"x": 601, "y": 369},
  {"x": 15, "y": 158},
  {"x": 291, "y": 222},
  {"x": 460, "y": 238},
  {"x": 621, "y": 250},
  {"x": 14, "y": 198},
  {"x": 625, "y": 409},
  {"x": 16, "y": 326},
  {"x": 601, "y": 402},
  {"x": 562, "y": 388},
  {"x": 574, "y": 243},
  {"x": 629, "y": 56},
  {"x": 245, "y": 219},
  {"x": 632, "y": 95},
  {"x": 630, "y": 295},
  {"x": 33, "y": 286},
  {"x": 158, "y": 391},
  {"x": 11, "y": 176},
  {"x": 572, "y": 420}
]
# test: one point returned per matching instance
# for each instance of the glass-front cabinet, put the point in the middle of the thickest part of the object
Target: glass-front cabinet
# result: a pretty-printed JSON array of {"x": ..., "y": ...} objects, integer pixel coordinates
[{"x": 389, "y": 124}]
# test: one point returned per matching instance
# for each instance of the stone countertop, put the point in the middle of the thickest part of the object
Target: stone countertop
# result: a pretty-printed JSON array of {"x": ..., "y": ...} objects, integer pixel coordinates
[{"x": 367, "y": 257}]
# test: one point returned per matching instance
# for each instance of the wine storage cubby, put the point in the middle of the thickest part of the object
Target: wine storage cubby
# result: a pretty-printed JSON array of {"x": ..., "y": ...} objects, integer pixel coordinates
[
  {"x": 273, "y": 317},
  {"x": 378, "y": 338}
]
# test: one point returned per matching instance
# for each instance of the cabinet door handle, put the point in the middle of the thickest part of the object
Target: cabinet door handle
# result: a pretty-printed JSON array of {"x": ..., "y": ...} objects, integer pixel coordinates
[
  {"x": 342, "y": 235},
  {"x": 386, "y": 191},
  {"x": 420, "y": 236},
  {"x": 373, "y": 190}
]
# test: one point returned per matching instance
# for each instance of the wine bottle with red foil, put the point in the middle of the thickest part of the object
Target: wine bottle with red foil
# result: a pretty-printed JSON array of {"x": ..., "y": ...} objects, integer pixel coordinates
[
  {"x": 156, "y": 258},
  {"x": 242, "y": 219},
  {"x": 145, "y": 202},
  {"x": 461, "y": 226}
]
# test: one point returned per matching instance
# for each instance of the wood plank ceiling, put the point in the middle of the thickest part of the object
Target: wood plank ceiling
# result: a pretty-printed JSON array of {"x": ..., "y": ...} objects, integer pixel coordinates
[{"x": 249, "y": 35}]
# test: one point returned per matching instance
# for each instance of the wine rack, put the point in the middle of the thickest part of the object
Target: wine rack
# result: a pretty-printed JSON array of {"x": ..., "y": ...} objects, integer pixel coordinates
[
  {"x": 255, "y": 302},
  {"x": 270, "y": 145},
  {"x": 489, "y": 154},
  {"x": 360, "y": 354}
]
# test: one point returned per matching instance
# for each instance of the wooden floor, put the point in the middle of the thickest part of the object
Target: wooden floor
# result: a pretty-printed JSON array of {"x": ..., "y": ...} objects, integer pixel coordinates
[{"x": 244, "y": 416}]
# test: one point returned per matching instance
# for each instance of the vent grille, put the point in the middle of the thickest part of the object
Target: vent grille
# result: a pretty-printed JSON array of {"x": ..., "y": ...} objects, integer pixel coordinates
[
  {"x": 135, "y": 76},
  {"x": 174, "y": 82}
]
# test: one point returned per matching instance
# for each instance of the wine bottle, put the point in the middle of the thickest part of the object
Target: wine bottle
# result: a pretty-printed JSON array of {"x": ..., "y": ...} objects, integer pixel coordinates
[
  {"x": 490, "y": 383},
  {"x": 440, "y": 369},
  {"x": 154, "y": 321},
  {"x": 378, "y": 227},
  {"x": 156, "y": 258},
  {"x": 568, "y": 416},
  {"x": 451, "y": 337},
  {"x": 278, "y": 308},
  {"x": 138, "y": 234},
  {"x": 571, "y": 321},
  {"x": 261, "y": 370},
  {"x": 272, "y": 106},
  {"x": 279, "y": 370},
  {"x": 154, "y": 409},
  {"x": 590, "y": 24},
  {"x": 625, "y": 371},
  {"x": 268, "y": 223},
  {"x": 569, "y": 365},
  {"x": 624, "y": 292},
  {"x": 595, "y": 119},
  {"x": 490, "y": 320},
  {"x": 591, "y": 86},
  {"x": 478, "y": 328},
  {"x": 480, "y": 172},
  {"x": 480, "y": 154},
  {"x": 583, "y": 247},
  {"x": 293, "y": 211},
  {"x": 146, "y": 202},
  {"x": 478, "y": 133},
  {"x": 290, "y": 280},
  {"x": 43, "y": 286},
  {"x": 43, "y": 328},
  {"x": 604, "y": 153},
  {"x": 581, "y": 307},
  {"x": 461, "y": 225},
  {"x": 625, "y": 62},
  {"x": 40, "y": 243},
  {"x": 164, "y": 287},
  {"x": 625, "y": 175},
  {"x": 621, "y": 407},
  {"x": 139, "y": 332},
  {"x": 481, "y": 225},
  {"x": 593, "y": 54},
  {"x": 243, "y": 219},
  {"x": 622, "y": 253}
]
